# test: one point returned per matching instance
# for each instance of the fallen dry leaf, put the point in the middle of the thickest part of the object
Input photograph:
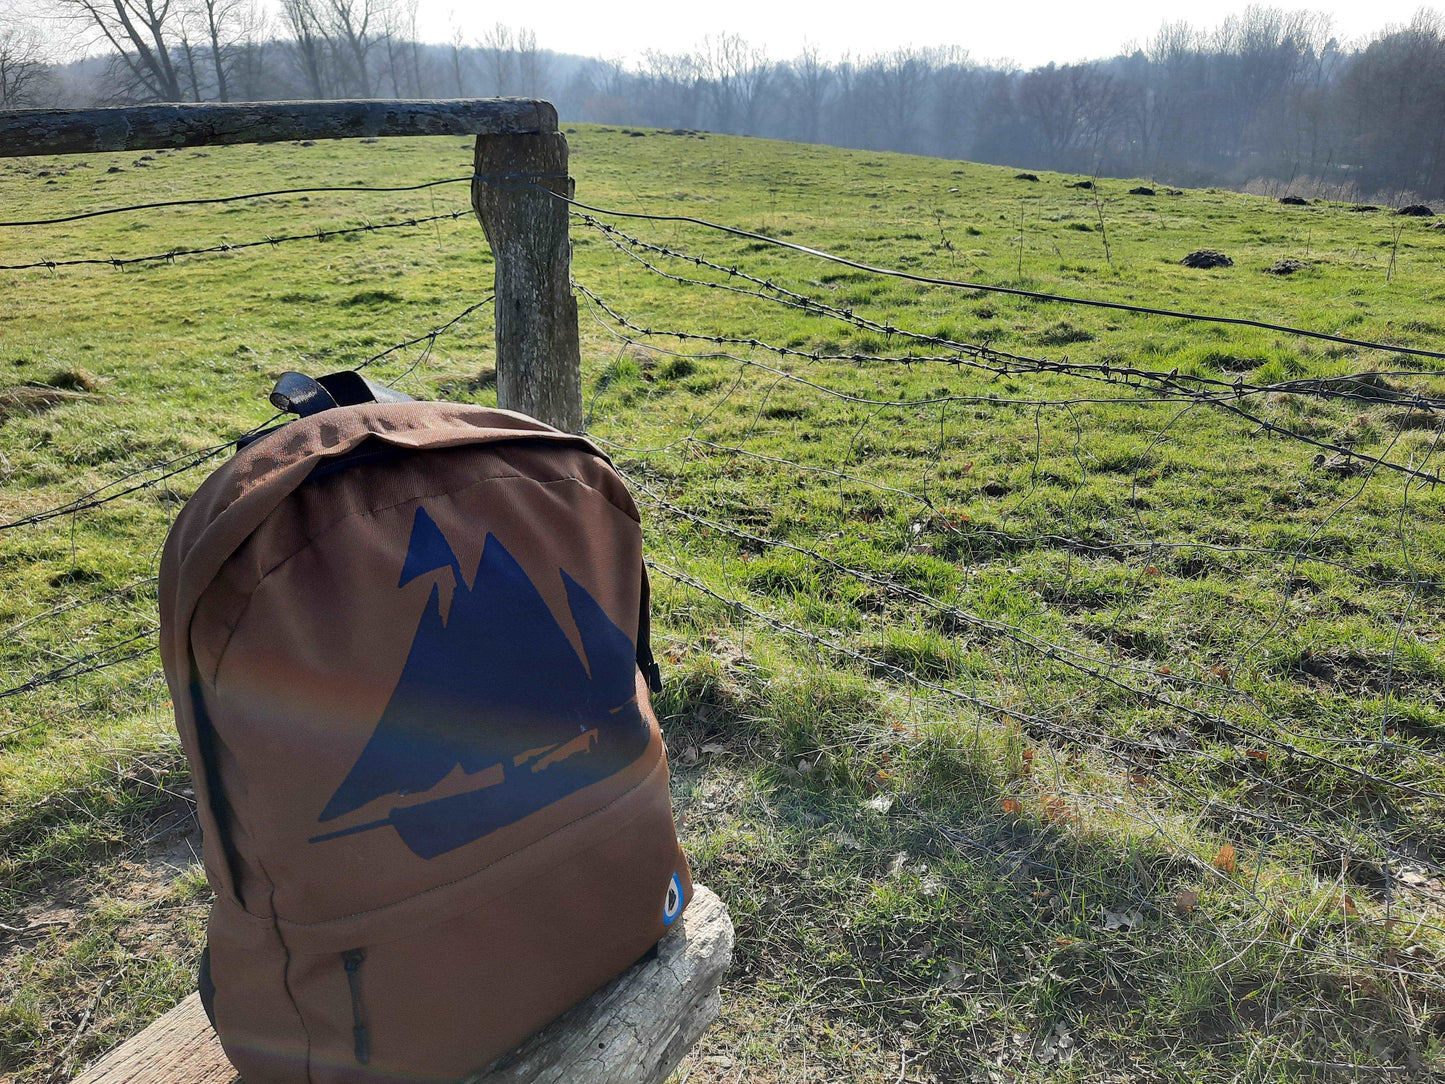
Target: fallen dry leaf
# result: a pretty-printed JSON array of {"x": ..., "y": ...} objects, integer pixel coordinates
[
  {"x": 1055, "y": 808},
  {"x": 1012, "y": 806},
  {"x": 1225, "y": 861}
]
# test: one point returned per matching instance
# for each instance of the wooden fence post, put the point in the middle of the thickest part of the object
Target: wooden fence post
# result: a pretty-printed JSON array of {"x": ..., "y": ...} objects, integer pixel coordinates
[{"x": 538, "y": 356}]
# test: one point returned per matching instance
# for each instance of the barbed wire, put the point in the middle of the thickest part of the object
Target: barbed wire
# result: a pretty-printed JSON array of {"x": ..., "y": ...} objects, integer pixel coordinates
[
  {"x": 66, "y": 607},
  {"x": 1111, "y": 548},
  {"x": 1086, "y": 665},
  {"x": 487, "y": 178},
  {"x": 1287, "y": 748},
  {"x": 1343, "y": 386},
  {"x": 73, "y": 711},
  {"x": 167, "y": 469},
  {"x": 86, "y": 664},
  {"x": 170, "y": 468},
  {"x": 1224, "y": 402},
  {"x": 235, "y": 246},
  {"x": 1034, "y": 295}
]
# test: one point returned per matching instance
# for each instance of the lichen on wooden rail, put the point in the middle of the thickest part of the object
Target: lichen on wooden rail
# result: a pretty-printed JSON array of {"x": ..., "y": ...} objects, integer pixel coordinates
[{"x": 150, "y": 127}]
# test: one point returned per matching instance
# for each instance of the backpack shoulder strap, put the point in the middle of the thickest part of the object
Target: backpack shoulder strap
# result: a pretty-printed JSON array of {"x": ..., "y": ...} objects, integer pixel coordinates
[{"x": 645, "y": 659}]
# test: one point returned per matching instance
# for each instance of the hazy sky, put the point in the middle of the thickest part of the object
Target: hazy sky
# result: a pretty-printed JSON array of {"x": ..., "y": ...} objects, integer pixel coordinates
[{"x": 1029, "y": 33}]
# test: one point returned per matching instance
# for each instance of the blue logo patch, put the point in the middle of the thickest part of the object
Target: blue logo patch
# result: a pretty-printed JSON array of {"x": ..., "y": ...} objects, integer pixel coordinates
[{"x": 496, "y": 685}]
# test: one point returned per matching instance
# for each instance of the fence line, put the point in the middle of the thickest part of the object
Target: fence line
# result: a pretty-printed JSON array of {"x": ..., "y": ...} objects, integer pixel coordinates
[
  {"x": 171, "y": 255},
  {"x": 1034, "y": 295},
  {"x": 190, "y": 460},
  {"x": 1051, "y": 685},
  {"x": 1224, "y": 402},
  {"x": 983, "y": 351}
]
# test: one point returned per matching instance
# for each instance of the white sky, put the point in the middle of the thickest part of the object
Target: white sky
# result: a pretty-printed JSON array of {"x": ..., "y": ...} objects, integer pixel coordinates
[{"x": 1026, "y": 33}]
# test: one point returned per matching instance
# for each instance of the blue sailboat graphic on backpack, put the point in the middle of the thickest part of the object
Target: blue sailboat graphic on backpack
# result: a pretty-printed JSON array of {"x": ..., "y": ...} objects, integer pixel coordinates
[{"x": 494, "y": 684}]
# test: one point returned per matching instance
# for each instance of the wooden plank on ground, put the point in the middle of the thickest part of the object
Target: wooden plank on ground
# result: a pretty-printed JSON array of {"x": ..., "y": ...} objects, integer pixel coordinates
[
  {"x": 635, "y": 1030},
  {"x": 179, "y": 1048},
  {"x": 150, "y": 127}
]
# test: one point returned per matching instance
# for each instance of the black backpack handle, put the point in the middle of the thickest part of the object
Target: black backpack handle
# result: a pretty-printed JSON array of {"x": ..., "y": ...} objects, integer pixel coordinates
[{"x": 297, "y": 393}]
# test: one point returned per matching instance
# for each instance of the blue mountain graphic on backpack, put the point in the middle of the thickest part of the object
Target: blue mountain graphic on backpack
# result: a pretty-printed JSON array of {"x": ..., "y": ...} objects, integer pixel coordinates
[{"x": 495, "y": 684}]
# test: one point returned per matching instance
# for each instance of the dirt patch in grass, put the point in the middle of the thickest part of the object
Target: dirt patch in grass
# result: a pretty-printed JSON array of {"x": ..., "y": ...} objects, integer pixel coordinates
[
  {"x": 1286, "y": 266},
  {"x": 1347, "y": 671}
]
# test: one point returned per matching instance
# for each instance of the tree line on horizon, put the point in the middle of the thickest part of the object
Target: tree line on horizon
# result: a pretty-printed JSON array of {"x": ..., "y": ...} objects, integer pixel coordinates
[{"x": 1269, "y": 96}]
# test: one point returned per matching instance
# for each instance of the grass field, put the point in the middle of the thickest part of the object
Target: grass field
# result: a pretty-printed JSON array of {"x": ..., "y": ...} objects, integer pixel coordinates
[{"x": 1033, "y": 727}]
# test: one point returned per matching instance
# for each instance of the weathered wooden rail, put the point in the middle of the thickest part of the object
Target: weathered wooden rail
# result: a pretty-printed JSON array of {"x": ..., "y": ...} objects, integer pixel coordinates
[{"x": 521, "y": 168}]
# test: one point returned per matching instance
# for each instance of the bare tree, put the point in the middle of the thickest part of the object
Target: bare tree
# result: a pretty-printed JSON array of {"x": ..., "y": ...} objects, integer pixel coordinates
[
  {"x": 499, "y": 57},
  {"x": 310, "y": 44},
  {"x": 668, "y": 86},
  {"x": 188, "y": 54},
  {"x": 533, "y": 64},
  {"x": 897, "y": 84},
  {"x": 248, "y": 68},
  {"x": 393, "y": 29},
  {"x": 350, "y": 24},
  {"x": 413, "y": 35},
  {"x": 954, "y": 80},
  {"x": 456, "y": 44},
  {"x": 808, "y": 79},
  {"x": 220, "y": 21},
  {"x": 143, "y": 34},
  {"x": 24, "y": 73},
  {"x": 735, "y": 75}
]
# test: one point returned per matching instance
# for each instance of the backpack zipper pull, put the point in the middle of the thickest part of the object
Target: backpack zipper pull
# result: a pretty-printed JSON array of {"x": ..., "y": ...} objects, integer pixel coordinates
[{"x": 351, "y": 961}]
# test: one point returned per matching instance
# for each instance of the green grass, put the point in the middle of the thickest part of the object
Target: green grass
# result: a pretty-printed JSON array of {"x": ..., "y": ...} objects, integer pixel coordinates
[{"x": 921, "y": 872}]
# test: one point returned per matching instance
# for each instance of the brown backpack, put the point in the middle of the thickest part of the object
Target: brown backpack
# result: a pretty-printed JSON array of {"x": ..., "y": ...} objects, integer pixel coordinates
[{"x": 407, "y": 647}]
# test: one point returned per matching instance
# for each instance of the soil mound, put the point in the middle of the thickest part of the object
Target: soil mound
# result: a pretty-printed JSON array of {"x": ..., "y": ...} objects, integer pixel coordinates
[{"x": 1205, "y": 258}]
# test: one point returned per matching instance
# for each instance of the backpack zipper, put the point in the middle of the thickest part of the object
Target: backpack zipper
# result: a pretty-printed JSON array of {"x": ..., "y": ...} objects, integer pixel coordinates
[{"x": 351, "y": 960}]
